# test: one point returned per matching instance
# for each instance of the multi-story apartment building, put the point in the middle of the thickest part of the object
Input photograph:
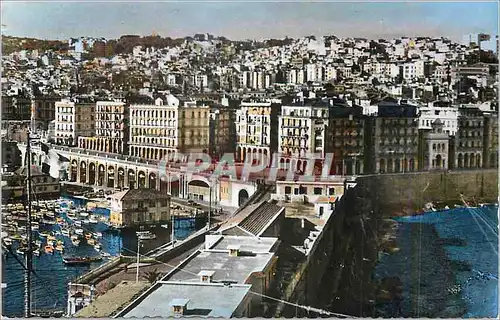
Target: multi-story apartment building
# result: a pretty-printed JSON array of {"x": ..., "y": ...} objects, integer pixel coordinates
[
  {"x": 163, "y": 130},
  {"x": 468, "y": 144},
  {"x": 302, "y": 131},
  {"x": 73, "y": 120},
  {"x": 16, "y": 108},
  {"x": 111, "y": 128},
  {"x": 442, "y": 110},
  {"x": 45, "y": 109},
  {"x": 256, "y": 129},
  {"x": 346, "y": 139},
  {"x": 393, "y": 139},
  {"x": 222, "y": 134},
  {"x": 490, "y": 153}
]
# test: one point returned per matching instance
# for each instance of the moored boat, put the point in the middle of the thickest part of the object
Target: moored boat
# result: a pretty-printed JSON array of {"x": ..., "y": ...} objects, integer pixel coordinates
[
  {"x": 49, "y": 249},
  {"x": 81, "y": 260}
]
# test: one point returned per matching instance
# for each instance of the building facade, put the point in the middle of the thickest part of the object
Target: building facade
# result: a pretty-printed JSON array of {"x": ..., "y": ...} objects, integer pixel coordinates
[
  {"x": 111, "y": 128},
  {"x": 444, "y": 111},
  {"x": 256, "y": 129},
  {"x": 136, "y": 207},
  {"x": 469, "y": 142},
  {"x": 346, "y": 139},
  {"x": 73, "y": 120},
  {"x": 393, "y": 144},
  {"x": 434, "y": 148},
  {"x": 302, "y": 132}
]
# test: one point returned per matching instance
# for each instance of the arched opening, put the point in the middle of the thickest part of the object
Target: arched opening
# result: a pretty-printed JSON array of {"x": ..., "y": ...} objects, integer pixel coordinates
[
  {"x": 141, "y": 180},
  {"x": 198, "y": 190},
  {"x": 282, "y": 164},
  {"x": 405, "y": 165},
  {"x": 242, "y": 197},
  {"x": 83, "y": 172},
  {"x": 382, "y": 166},
  {"x": 397, "y": 164},
  {"x": 131, "y": 179},
  {"x": 152, "y": 181},
  {"x": 389, "y": 165},
  {"x": 460, "y": 161},
  {"x": 121, "y": 178},
  {"x": 100, "y": 175},
  {"x": 111, "y": 177},
  {"x": 466, "y": 160},
  {"x": 74, "y": 170},
  {"x": 493, "y": 160},
  {"x": 92, "y": 173},
  {"x": 439, "y": 161},
  {"x": 412, "y": 165}
]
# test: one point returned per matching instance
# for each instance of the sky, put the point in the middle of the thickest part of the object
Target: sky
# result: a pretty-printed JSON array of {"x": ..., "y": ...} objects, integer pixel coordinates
[{"x": 238, "y": 20}]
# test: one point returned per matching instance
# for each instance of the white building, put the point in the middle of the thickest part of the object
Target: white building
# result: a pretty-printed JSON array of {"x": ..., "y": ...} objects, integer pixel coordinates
[
  {"x": 447, "y": 114},
  {"x": 301, "y": 131}
]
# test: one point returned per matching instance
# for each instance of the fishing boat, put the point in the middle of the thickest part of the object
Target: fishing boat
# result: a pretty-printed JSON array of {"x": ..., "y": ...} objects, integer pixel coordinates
[
  {"x": 85, "y": 221},
  {"x": 88, "y": 235},
  {"x": 35, "y": 226},
  {"x": 91, "y": 242},
  {"x": 36, "y": 252},
  {"x": 97, "y": 234},
  {"x": 7, "y": 241},
  {"x": 84, "y": 214},
  {"x": 97, "y": 246},
  {"x": 21, "y": 228},
  {"x": 16, "y": 236},
  {"x": 50, "y": 243},
  {"x": 93, "y": 219},
  {"x": 81, "y": 260},
  {"x": 21, "y": 250},
  {"x": 78, "y": 223},
  {"x": 79, "y": 231},
  {"x": 65, "y": 232},
  {"x": 44, "y": 234},
  {"x": 75, "y": 241},
  {"x": 60, "y": 247},
  {"x": 51, "y": 237},
  {"x": 49, "y": 249}
]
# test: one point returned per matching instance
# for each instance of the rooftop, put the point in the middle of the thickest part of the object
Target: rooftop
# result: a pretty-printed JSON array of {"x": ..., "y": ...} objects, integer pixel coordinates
[
  {"x": 246, "y": 244},
  {"x": 205, "y": 300},
  {"x": 252, "y": 220},
  {"x": 138, "y": 194},
  {"x": 226, "y": 267}
]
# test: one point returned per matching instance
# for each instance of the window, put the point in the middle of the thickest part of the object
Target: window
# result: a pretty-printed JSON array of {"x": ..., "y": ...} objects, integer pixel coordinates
[
  {"x": 152, "y": 204},
  {"x": 318, "y": 191},
  {"x": 140, "y": 204},
  {"x": 288, "y": 190},
  {"x": 331, "y": 191}
]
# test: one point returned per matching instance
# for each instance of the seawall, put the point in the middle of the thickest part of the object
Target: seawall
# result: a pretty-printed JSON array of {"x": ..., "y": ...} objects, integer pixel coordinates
[{"x": 338, "y": 275}]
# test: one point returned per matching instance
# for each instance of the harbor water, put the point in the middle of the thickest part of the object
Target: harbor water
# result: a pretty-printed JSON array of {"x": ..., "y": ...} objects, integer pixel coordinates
[
  {"x": 49, "y": 283},
  {"x": 447, "y": 264}
]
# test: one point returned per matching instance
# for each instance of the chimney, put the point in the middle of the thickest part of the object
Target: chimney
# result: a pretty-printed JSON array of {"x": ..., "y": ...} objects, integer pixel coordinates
[
  {"x": 179, "y": 306},
  {"x": 206, "y": 276},
  {"x": 234, "y": 250}
]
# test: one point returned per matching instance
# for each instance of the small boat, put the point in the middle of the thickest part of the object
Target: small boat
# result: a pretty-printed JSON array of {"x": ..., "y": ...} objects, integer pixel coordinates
[
  {"x": 79, "y": 231},
  {"x": 84, "y": 214},
  {"x": 36, "y": 252},
  {"x": 88, "y": 235},
  {"x": 98, "y": 234},
  {"x": 93, "y": 220},
  {"x": 49, "y": 249},
  {"x": 35, "y": 226},
  {"x": 60, "y": 248},
  {"x": 75, "y": 242},
  {"x": 21, "y": 228},
  {"x": 81, "y": 260},
  {"x": 44, "y": 234},
  {"x": 7, "y": 241},
  {"x": 147, "y": 236},
  {"x": 51, "y": 238},
  {"x": 78, "y": 223},
  {"x": 105, "y": 255},
  {"x": 21, "y": 250},
  {"x": 65, "y": 232},
  {"x": 16, "y": 237},
  {"x": 38, "y": 243},
  {"x": 97, "y": 246},
  {"x": 85, "y": 221},
  {"x": 91, "y": 242},
  {"x": 50, "y": 243}
]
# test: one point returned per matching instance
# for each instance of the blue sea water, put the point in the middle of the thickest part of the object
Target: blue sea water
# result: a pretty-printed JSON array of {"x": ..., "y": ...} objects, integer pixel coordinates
[
  {"x": 476, "y": 229},
  {"x": 49, "y": 284}
]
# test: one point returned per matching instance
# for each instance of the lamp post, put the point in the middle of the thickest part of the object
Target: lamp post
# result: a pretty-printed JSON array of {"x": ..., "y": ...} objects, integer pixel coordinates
[{"x": 137, "y": 264}]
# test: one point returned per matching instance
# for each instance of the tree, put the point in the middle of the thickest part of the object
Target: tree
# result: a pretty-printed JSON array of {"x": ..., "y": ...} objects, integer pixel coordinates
[{"x": 152, "y": 276}]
